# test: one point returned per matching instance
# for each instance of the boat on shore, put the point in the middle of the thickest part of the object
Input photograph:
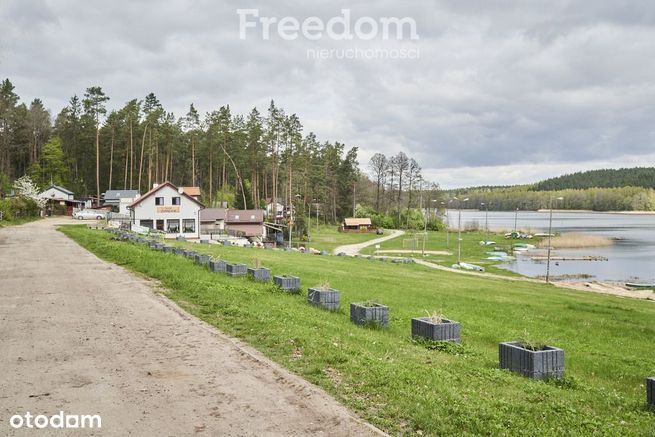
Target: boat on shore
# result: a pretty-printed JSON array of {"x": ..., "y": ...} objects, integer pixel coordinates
[{"x": 639, "y": 285}]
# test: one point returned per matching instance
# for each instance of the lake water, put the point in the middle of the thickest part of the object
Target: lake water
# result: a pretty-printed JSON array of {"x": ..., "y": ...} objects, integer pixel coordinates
[{"x": 631, "y": 257}]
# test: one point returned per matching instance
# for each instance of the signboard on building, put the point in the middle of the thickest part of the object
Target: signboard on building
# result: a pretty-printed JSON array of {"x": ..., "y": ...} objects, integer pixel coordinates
[{"x": 168, "y": 209}]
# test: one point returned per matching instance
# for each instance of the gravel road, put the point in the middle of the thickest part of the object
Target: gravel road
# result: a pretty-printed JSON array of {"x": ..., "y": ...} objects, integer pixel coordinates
[{"x": 83, "y": 336}]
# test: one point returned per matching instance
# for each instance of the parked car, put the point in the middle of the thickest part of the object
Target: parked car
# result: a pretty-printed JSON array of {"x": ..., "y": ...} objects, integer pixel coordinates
[{"x": 89, "y": 214}]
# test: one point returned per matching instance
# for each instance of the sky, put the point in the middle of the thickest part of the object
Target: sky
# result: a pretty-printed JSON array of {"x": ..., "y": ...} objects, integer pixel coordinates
[{"x": 481, "y": 92}]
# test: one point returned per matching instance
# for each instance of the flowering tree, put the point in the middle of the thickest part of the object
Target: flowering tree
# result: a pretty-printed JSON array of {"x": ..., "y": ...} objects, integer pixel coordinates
[{"x": 24, "y": 187}]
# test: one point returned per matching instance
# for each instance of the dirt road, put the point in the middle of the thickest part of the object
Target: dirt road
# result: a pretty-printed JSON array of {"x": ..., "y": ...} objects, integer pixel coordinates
[
  {"x": 84, "y": 336},
  {"x": 353, "y": 249}
]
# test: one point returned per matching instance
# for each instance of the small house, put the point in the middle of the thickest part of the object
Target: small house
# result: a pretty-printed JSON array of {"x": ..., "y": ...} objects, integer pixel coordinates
[
  {"x": 357, "y": 225},
  {"x": 212, "y": 221},
  {"x": 248, "y": 223},
  {"x": 60, "y": 200},
  {"x": 166, "y": 208},
  {"x": 120, "y": 200}
]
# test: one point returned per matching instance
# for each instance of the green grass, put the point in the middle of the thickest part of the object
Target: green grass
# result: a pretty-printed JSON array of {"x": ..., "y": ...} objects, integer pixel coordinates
[
  {"x": 404, "y": 386},
  {"x": 472, "y": 251},
  {"x": 18, "y": 221},
  {"x": 328, "y": 238}
]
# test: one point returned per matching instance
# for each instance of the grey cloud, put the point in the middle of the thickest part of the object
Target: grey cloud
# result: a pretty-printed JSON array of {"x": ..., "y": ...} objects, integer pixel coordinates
[{"x": 506, "y": 83}]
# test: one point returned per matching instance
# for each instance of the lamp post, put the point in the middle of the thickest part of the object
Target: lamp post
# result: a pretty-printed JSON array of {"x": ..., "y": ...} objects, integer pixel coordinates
[
  {"x": 447, "y": 224},
  {"x": 486, "y": 221},
  {"x": 550, "y": 234},
  {"x": 459, "y": 228}
]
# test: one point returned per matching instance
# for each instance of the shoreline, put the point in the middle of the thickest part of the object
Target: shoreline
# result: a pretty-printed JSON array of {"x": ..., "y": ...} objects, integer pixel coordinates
[{"x": 606, "y": 287}]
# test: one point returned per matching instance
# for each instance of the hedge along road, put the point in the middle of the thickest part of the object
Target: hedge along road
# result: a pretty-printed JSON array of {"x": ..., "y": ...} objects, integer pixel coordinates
[{"x": 84, "y": 336}]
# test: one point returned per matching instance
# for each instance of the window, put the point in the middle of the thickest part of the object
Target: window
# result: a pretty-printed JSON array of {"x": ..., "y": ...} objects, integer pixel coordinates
[
  {"x": 188, "y": 226},
  {"x": 176, "y": 200},
  {"x": 159, "y": 200},
  {"x": 160, "y": 225},
  {"x": 236, "y": 217},
  {"x": 173, "y": 226},
  {"x": 146, "y": 223}
]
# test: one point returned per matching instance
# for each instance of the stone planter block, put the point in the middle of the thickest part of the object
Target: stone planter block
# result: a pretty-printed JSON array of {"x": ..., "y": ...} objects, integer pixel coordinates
[
  {"x": 260, "y": 274},
  {"x": 168, "y": 249},
  {"x": 546, "y": 363},
  {"x": 287, "y": 283},
  {"x": 448, "y": 330},
  {"x": 202, "y": 259},
  {"x": 373, "y": 313},
  {"x": 328, "y": 298},
  {"x": 650, "y": 391},
  {"x": 236, "y": 269},
  {"x": 178, "y": 251},
  {"x": 180, "y": 238},
  {"x": 217, "y": 265},
  {"x": 204, "y": 241},
  {"x": 159, "y": 247},
  {"x": 190, "y": 254}
]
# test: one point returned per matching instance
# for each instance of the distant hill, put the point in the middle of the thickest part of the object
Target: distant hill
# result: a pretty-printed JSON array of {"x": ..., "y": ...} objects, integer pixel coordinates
[{"x": 607, "y": 178}]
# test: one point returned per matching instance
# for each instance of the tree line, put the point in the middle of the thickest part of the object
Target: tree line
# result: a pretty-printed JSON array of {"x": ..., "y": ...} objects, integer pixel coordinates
[
  {"x": 605, "y": 178},
  {"x": 524, "y": 198},
  {"x": 247, "y": 158}
]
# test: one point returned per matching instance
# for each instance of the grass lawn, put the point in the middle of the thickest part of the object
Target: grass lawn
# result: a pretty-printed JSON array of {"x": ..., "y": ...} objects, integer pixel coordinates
[
  {"x": 403, "y": 386},
  {"x": 18, "y": 221},
  {"x": 472, "y": 251},
  {"x": 328, "y": 238}
]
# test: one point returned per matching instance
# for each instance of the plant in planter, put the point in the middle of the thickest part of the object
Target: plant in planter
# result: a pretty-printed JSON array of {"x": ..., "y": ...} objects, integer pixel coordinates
[
  {"x": 650, "y": 391},
  {"x": 323, "y": 296},
  {"x": 369, "y": 313},
  {"x": 287, "y": 283},
  {"x": 259, "y": 273},
  {"x": 217, "y": 265},
  {"x": 202, "y": 259},
  {"x": 436, "y": 327},
  {"x": 236, "y": 269},
  {"x": 531, "y": 359}
]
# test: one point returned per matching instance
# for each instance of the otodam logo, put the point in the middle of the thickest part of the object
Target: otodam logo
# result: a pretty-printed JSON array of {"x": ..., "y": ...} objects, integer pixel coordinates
[{"x": 56, "y": 421}]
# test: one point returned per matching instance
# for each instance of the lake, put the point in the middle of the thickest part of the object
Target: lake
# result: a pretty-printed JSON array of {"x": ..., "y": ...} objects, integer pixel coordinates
[{"x": 631, "y": 257}]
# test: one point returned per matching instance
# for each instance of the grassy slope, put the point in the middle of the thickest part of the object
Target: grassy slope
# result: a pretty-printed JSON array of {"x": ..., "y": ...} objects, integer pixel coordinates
[
  {"x": 403, "y": 386},
  {"x": 328, "y": 238},
  {"x": 20, "y": 221},
  {"x": 472, "y": 251}
]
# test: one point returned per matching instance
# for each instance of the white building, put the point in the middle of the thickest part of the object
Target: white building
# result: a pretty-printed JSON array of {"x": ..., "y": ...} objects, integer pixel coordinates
[
  {"x": 167, "y": 209},
  {"x": 55, "y": 192}
]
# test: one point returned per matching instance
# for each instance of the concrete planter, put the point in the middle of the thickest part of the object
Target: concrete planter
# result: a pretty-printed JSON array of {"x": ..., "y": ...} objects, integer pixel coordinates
[
  {"x": 362, "y": 314},
  {"x": 328, "y": 298},
  {"x": 159, "y": 247},
  {"x": 168, "y": 249},
  {"x": 287, "y": 283},
  {"x": 190, "y": 254},
  {"x": 545, "y": 363},
  {"x": 650, "y": 391},
  {"x": 236, "y": 269},
  {"x": 260, "y": 274},
  {"x": 202, "y": 259},
  {"x": 447, "y": 330},
  {"x": 217, "y": 265},
  {"x": 180, "y": 238},
  {"x": 204, "y": 241},
  {"x": 178, "y": 251}
]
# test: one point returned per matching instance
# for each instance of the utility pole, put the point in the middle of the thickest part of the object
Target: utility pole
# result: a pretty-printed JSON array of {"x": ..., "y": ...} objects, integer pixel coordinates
[{"x": 550, "y": 235}]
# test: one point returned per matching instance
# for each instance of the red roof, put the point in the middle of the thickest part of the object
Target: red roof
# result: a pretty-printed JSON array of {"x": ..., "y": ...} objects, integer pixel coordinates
[{"x": 159, "y": 187}]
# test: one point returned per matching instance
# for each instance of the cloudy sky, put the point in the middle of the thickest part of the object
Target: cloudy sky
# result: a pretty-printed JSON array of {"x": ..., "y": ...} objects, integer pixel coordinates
[{"x": 495, "y": 92}]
